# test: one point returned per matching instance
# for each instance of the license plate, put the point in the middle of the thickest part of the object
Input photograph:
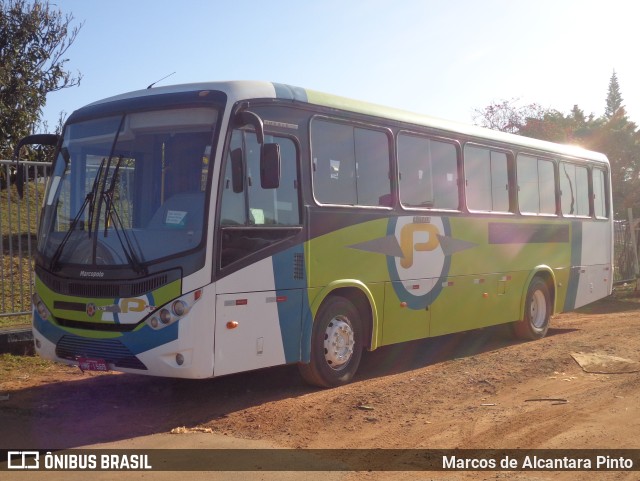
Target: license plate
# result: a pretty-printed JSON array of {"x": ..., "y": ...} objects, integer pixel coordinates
[{"x": 86, "y": 364}]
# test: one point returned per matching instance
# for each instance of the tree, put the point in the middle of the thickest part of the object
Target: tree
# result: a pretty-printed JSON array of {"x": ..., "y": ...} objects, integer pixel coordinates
[
  {"x": 613, "y": 134},
  {"x": 619, "y": 139},
  {"x": 507, "y": 115},
  {"x": 554, "y": 126},
  {"x": 34, "y": 39},
  {"x": 614, "y": 98}
]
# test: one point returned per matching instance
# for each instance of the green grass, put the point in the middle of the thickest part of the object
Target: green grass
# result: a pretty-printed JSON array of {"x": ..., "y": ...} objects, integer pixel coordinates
[{"x": 11, "y": 362}]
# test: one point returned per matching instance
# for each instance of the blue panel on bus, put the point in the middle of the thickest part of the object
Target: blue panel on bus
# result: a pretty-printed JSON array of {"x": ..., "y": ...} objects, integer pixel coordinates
[
  {"x": 576, "y": 261},
  {"x": 289, "y": 92},
  {"x": 290, "y": 282}
]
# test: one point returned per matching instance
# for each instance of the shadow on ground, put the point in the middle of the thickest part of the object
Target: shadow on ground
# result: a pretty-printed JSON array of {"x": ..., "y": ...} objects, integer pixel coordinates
[{"x": 113, "y": 407}]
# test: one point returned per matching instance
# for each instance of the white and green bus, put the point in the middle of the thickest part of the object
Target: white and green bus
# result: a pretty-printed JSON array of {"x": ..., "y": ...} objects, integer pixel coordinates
[{"x": 200, "y": 230}]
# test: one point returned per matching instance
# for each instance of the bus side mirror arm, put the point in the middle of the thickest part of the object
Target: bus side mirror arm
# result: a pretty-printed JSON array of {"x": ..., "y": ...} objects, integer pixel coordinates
[
  {"x": 246, "y": 117},
  {"x": 36, "y": 139}
]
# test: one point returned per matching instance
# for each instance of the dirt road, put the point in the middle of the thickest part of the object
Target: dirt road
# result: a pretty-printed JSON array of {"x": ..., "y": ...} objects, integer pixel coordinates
[{"x": 472, "y": 390}]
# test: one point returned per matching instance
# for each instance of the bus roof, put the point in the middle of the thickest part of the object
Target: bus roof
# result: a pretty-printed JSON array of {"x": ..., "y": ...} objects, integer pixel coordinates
[{"x": 243, "y": 90}]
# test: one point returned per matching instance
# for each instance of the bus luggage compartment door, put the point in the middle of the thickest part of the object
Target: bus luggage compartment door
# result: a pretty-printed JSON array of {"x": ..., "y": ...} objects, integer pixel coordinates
[{"x": 256, "y": 329}]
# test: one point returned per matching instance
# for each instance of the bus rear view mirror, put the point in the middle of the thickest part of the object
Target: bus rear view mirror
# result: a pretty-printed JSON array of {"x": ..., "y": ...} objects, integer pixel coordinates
[
  {"x": 270, "y": 166},
  {"x": 237, "y": 172},
  {"x": 36, "y": 139}
]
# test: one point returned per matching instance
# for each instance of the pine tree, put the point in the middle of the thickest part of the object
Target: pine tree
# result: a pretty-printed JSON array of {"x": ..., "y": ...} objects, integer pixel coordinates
[{"x": 614, "y": 98}]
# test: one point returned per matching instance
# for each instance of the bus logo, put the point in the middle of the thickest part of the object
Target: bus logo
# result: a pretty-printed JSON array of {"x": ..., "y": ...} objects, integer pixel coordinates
[{"x": 408, "y": 246}]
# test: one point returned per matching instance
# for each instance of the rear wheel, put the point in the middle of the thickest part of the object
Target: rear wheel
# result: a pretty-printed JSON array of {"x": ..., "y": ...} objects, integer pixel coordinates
[
  {"x": 537, "y": 312},
  {"x": 336, "y": 344}
]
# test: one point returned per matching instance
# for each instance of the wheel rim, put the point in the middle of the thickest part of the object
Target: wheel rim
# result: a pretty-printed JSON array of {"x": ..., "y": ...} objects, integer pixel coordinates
[
  {"x": 338, "y": 343},
  {"x": 538, "y": 310}
]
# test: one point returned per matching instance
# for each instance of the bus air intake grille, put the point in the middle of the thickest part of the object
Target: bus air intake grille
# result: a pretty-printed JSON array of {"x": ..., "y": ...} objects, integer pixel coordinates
[
  {"x": 298, "y": 267},
  {"x": 94, "y": 290},
  {"x": 148, "y": 285},
  {"x": 111, "y": 350},
  {"x": 96, "y": 326}
]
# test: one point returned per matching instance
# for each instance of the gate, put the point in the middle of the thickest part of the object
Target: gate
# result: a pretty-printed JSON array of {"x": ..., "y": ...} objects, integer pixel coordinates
[
  {"x": 18, "y": 227},
  {"x": 625, "y": 251}
]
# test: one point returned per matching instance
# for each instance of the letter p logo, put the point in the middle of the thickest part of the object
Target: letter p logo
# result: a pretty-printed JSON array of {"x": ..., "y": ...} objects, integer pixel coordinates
[{"x": 408, "y": 246}]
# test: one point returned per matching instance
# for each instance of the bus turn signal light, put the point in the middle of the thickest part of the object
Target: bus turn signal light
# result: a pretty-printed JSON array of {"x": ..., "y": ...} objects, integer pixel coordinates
[{"x": 232, "y": 324}]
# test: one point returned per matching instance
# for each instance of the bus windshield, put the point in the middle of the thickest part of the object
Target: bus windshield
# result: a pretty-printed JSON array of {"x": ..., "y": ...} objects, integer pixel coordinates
[{"x": 128, "y": 189}]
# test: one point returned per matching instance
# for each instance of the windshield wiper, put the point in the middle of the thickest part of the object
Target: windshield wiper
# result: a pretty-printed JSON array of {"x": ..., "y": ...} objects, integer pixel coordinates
[
  {"x": 118, "y": 226},
  {"x": 108, "y": 195},
  {"x": 88, "y": 200}
]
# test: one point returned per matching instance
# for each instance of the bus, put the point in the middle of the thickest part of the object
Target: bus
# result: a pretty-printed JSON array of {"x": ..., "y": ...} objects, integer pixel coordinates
[{"x": 200, "y": 230}]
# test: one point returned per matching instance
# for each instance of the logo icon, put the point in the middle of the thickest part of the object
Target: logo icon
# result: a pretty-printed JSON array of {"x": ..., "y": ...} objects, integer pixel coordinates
[
  {"x": 22, "y": 460},
  {"x": 91, "y": 309}
]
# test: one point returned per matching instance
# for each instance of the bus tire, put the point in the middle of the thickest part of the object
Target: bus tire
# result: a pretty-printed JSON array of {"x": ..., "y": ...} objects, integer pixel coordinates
[
  {"x": 336, "y": 344},
  {"x": 537, "y": 312}
]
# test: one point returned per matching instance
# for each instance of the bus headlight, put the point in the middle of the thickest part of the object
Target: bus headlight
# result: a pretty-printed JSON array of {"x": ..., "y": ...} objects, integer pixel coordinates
[
  {"x": 179, "y": 307},
  {"x": 165, "y": 316},
  {"x": 40, "y": 307},
  {"x": 174, "y": 311}
]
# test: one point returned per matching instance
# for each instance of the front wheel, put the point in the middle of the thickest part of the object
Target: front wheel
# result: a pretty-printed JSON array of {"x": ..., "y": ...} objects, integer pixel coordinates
[
  {"x": 537, "y": 312},
  {"x": 336, "y": 344}
]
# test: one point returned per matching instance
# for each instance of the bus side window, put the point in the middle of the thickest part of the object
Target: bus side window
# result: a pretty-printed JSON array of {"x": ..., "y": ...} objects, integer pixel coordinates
[
  {"x": 428, "y": 172},
  {"x": 487, "y": 179},
  {"x": 536, "y": 185},
  {"x": 414, "y": 163},
  {"x": 279, "y": 206},
  {"x": 351, "y": 165},
  {"x": 372, "y": 167},
  {"x": 334, "y": 163},
  {"x": 599, "y": 194},
  {"x": 232, "y": 210},
  {"x": 574, "y": 189},
  {"x": 445, "y": 175}
]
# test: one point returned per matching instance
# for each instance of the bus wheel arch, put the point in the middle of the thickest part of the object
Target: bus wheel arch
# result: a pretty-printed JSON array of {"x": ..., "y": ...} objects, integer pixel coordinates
[
  {"x": 537, "y": 306},
  {"x": 340, "y": 332}
]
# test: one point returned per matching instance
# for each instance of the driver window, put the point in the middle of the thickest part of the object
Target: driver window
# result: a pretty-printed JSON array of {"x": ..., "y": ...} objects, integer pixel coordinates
[
  {"x": 253, "y": 218},
  {"x": 267, "y": 207}
]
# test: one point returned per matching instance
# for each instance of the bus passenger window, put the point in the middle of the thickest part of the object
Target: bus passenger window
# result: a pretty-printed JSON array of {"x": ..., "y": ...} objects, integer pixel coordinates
[
  {"x": 428, "y": 173},
  {"x": 372, "y": 167},
  {"x": 536, "y": 185},
  {"x": 574, "y": 189},
  {"x": 334, "y": 163},
  {"x": 351, "y": 165},
  {"x": 487, "y": 179},
  {"x": 599, "y": 194}
]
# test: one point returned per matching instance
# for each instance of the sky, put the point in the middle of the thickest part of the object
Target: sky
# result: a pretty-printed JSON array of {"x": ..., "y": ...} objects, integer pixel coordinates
[{"x": 444, "y": 58}]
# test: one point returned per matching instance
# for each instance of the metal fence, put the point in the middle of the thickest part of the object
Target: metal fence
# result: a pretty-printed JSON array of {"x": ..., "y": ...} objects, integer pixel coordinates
[
  {"x": 625, "y": 251},
  {"x": 18, "y": 226}
]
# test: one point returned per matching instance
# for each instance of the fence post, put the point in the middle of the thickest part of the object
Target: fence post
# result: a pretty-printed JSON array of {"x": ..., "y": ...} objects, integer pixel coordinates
[{"x": 634, "y": 244}]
